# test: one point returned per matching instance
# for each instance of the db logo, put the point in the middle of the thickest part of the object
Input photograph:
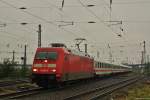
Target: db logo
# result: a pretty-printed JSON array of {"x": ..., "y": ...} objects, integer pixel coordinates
[{"x": 44, "y": 70}]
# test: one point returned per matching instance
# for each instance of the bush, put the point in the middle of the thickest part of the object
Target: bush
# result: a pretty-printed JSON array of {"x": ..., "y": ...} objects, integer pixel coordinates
[
  {"x": 9, "y": 69},
  {"x": 147, "y": 69}
]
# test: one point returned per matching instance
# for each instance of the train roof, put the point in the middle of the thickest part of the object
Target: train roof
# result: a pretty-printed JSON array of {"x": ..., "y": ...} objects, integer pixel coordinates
[
  {"x": 115, "y": 64},
  {"x": 125, "y": 66},
  {"x": 64, "y": 47},
  {"x": 71, "y": 51}
]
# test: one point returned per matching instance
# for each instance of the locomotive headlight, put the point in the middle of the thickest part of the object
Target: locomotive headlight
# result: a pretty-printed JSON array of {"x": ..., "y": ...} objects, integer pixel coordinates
[
  {"x": 45, "y": 61},
  {"x": 54, "y": 70},
  {"x": 35, "y": 70}
]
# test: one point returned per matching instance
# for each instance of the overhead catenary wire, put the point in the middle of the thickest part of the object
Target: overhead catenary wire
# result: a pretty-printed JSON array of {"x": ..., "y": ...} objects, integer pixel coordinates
[
  {"x": 97, "y": 17},
  {"x": 16, "y": 37},
  {"x": 60, "y": 10},
  {"x": 75, "y": 22},
  {"x": 68, "y": 32},
  {"x": 38, "y": 17},
  {"x": 12, "y": 23},
  {"x": 13, "y": 36},
  {"x": 80, "y": 22},
  {"x": 132, "y": 2},
  {"x": 85, "y": 32}
]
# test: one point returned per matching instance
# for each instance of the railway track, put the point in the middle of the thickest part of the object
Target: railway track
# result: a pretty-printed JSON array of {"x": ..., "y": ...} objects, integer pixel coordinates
[
  {"x": 99, "y": 92},
  {"x": 20, "y": 94},
  {"x": 15, "y": 87},
  {"x": 27, "y": 93},
  {"x": 39, "y": 90},
  {"x": 85, "y": 91},
  {"x": 12, "y": 82}
]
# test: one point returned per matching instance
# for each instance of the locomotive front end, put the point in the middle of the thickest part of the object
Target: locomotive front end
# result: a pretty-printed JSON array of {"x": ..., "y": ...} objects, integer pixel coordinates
[{"x": 44, "y": 68}]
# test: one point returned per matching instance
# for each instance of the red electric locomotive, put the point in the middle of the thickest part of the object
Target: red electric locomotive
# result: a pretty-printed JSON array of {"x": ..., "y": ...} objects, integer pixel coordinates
[{"x": 58, "y": 64}]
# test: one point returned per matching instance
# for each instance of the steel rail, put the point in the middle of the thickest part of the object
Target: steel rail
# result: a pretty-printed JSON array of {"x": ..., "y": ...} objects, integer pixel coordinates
[
  {"x": 98, "y": 89},
  {"x": 12, "y": 82},
  {"x": 111, "y": 89},
  {"x": 21, "y": 93}
]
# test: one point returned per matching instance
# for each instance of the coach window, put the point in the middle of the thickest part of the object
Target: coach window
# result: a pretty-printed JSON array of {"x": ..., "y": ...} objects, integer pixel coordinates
[
  {"x": 102, "y": 65},
  {"x": 99, "y": 64},
  {"x": 110, "y": 66},
  {"x": 114, "y": 66}
]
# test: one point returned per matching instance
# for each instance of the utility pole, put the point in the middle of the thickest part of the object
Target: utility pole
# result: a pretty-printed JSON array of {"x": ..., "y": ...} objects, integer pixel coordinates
[
  {"x": 144, "y": 47},
  {"x": 98, "y": 55},
  {"x": 110, "y": 54},
  {"x": 148, "y": 58},
  {"x": 39, "y": 36},
  {"x": 13, "y": 59},
  {"x": 143, "y": 60},
  {"x": 148, "y": 65},
  {"x": 25, "y": 56}
]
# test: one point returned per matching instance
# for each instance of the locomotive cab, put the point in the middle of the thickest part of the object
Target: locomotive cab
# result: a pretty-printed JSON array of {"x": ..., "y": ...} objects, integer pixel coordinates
[{"x": 46, "y": 68}]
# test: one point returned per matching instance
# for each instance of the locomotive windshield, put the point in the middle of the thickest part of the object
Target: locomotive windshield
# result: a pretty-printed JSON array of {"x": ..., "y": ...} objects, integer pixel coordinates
[{"x": 46, "y": 55}]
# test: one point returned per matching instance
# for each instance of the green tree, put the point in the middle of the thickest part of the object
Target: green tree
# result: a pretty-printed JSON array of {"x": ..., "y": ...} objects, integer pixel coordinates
[
  {"x": 7, "y": 68},
  {"x": 24, "y": 71},
  {"x": 147, "y": 68}
]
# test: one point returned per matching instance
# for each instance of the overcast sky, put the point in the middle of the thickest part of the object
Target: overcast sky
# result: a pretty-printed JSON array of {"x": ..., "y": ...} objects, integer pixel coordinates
[{"x": 125, "y": 40}]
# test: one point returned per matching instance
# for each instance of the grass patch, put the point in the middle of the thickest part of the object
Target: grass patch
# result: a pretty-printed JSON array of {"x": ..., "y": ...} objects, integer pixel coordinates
[{"x": 139, "y": 92}]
